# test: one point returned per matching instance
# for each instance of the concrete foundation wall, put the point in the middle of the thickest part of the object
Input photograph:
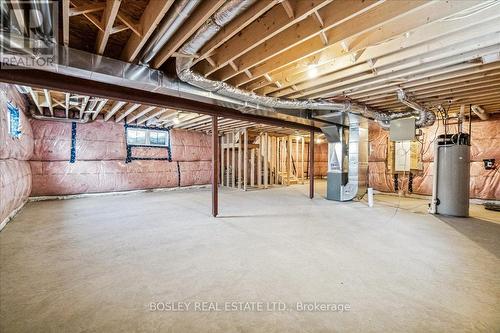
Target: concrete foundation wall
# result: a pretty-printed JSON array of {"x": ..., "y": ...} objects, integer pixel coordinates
[
  {"x": 100, "y": 160},
  {"x": 15, "y": 172},
  {"x": 485, "y": 140}
]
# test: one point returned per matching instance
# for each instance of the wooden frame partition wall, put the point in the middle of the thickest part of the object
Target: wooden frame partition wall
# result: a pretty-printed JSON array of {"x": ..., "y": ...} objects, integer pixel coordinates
[{"x": 48, "y": 80}]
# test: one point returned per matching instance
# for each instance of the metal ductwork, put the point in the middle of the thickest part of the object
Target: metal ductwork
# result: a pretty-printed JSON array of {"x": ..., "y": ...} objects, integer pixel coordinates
[
  {"x": 424, "y": 117},
  {"x": 225, "y": 14},
  {"x": 347, "y": 159},
  {"x": 170, "y": 24},
  {"x": 194, "y": 86}
]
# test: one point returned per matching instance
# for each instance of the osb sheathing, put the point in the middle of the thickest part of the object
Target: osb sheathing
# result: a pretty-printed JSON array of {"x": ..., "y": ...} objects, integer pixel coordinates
[
  {"x": 100, "y": 160},
  {"x": 15, "y": 172},
  {"x": 485, "y": 143}
]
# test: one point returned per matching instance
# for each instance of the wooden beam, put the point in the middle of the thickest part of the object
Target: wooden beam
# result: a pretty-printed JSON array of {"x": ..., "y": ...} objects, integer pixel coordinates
[
  {"x": 56, "y": 81},
  {"x": 48, "y": 100},
  {"x": 99, "y": 108},
  {"x": 234, "y": 27},
  {"x": 313, "y": 49},
  {"x": 302, "y": 159},
  {"x": 117, "y": 105},
  {"x": 266, "y": 160},
  {"x": 86, "y": 9},
  {"x": 245, "y": 159},
  {"x": 240, "y": 161},
  {"x": 259, "y": 161},
  {"x": 227, "y": 161},
  {"x": 222, "y": 162},
  {"x": 18, "y": 12},
  {"x": 118, "y": 28},
  {"x": 156, "y": 114},
  {"x": 391, "y": 52},
  {"x": 215, "y": 167},
  {"x": 288, "y": 8},
  {"x": 36, "y": 101},
  {"x": 202, "y": 13},
  {"x": 107, "y": 21},
  {"x": 65, "y": 21},
  {"x": 233, "y": 161},
  {"x": 259, "y": 31},
  {"x": 311, "y": 164},
  {"x": 342, "y": 19},
  {"x": 83, "y": 106},
  {"x": 129, "y": 22},
  {"x": 252, "y": 167},
  {"x": 152, "y": 16},
  {"x": 131, "y": 108},
  {"x": 144, "y": 109},
  {"x": 95, "y": 21}
]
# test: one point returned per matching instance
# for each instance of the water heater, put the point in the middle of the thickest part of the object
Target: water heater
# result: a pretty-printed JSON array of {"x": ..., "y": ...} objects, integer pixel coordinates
[{"x": 452, "y": 175}]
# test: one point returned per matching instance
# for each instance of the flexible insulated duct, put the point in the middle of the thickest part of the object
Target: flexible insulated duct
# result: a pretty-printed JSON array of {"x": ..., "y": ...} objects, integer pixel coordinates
[{"x": 224, "y": 15}]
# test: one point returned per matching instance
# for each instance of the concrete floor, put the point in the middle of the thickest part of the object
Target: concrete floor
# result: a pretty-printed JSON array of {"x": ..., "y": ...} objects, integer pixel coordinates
[{"x": 96, "y": 264}]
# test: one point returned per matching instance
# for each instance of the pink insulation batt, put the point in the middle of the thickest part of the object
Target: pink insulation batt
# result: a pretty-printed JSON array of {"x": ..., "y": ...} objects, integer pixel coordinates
[
  {"x": 485, "y": 143},
  {"x": 100, "y": 160},
  {"x": 15, "y": 172}
]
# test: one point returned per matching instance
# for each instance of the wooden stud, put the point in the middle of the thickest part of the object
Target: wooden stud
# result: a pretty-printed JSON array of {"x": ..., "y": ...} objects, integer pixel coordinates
[
  {"x": 240, "y": 165},
  {"x": 252, "y": 167},
  {"x": 297, "y": 157},
  {"x": 302, "y": 159},
  {"x": 233, "y": 162},
  {"x": 228, "y": 150},
  {"x": 259, "y": 161},
  {"x": 311, "y": 164},
  {"x": 266, "y": 161},
  {"x": 215, "y": 167},
  {"x": 289, "y": 160},
  {"x": 222, "y": 163},
  {"x": 245, "y": 159}
]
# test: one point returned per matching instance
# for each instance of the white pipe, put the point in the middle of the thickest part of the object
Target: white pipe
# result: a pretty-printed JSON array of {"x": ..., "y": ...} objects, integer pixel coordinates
[
  {"x": 480, "y": 112},
  {"x": 370, "y": 197},
  {"x": 432, "y": 207}
]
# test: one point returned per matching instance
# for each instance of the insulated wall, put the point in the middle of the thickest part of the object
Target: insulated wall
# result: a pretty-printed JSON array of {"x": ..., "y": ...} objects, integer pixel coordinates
[
  {"x": 100, "y": 153},
  {"x": 485, "y": 143},
  {"x": 15, "y": 172}
]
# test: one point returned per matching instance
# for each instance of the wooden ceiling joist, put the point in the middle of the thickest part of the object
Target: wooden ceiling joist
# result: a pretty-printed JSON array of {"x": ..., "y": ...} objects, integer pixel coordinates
[
  {"x": 150, "y": 19},
  {"x": 259, "y": 31},
  {"x": 107, "y": 21},
  {"x": 234, "y": 27},
  {"x": 202, "y": 13},
  {"x": 314, "y": 50}
]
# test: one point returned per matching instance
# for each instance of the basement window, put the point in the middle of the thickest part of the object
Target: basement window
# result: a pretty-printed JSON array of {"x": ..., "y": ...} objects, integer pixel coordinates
[
  {"x": 13, "y": 121},
  {"x": 147, "y": 137}
]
